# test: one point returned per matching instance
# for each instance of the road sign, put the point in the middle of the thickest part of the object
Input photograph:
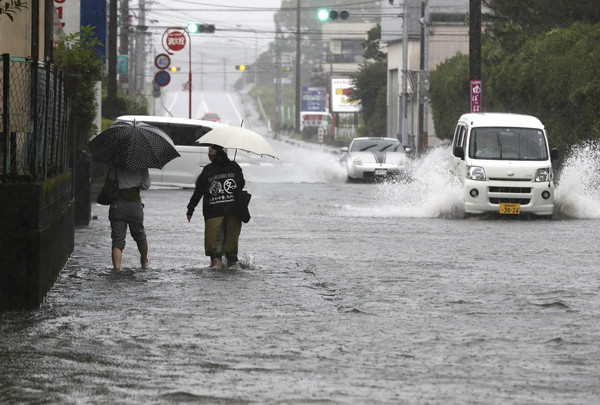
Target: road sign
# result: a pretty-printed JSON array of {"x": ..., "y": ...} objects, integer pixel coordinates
[
  {"x": 122, "y": 64},
  {"x": 314, "y": 98},
  {"x": 162, "y": 78},
  {"x": 476, "y": 92},
  {"x": 176, "y": 41},
  {"x": 162, "y": 61}
]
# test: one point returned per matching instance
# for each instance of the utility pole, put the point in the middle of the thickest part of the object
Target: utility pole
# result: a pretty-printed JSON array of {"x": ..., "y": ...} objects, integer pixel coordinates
[
  {"x": 475, "y": 53},
  {"x": 124, "y": 41},
  {"x": 140, "y": 69},
  {"x": 298, "y": 64},
  {"x": 424, "y": 100},
  {"x": 403, "y": 108},
  {"x": 111, "y": 80},
  {"x": 278, "y": 87}
]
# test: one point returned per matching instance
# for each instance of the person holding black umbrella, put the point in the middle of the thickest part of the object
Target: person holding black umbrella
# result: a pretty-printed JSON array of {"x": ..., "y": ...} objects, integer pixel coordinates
[
  {"x": 128, "y": 211},
  {"x": 130, "y": 148},
  {"x": 220, "y": 183}
]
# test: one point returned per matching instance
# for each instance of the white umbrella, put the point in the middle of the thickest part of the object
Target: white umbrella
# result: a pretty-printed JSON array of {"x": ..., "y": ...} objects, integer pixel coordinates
[{"x": 238, "y": 138}]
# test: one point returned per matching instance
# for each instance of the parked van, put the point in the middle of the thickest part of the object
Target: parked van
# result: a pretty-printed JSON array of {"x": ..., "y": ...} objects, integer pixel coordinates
[
  {"x": 181, "y": 171},
  {"x": 504, "y": 163}
]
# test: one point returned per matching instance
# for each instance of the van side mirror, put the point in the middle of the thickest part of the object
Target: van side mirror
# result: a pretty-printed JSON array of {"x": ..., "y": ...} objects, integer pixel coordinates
[
  {"x": 553, "y": 154},
  {"x": 344, "y": 149},
  {"x": 459, "y": 152}
]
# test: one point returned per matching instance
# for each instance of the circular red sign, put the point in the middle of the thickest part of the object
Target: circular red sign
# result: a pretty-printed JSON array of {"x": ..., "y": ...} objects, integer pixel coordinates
[{"x": 176, "y": 41}]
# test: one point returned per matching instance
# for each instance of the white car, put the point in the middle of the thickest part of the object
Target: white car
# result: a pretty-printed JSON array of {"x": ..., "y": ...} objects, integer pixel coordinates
[
  {"x": 373, "y": 159},
  {"x": 181, "y": 171}
]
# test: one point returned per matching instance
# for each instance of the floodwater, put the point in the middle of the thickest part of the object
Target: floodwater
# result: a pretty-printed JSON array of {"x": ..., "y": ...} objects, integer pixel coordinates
[{"x": 348, "y": 294}]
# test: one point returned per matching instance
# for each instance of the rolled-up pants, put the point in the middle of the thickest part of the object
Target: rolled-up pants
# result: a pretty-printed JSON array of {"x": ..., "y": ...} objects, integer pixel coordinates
[
  {"x": 229, "y": 227},
  {"x": 123, "y": 214}
]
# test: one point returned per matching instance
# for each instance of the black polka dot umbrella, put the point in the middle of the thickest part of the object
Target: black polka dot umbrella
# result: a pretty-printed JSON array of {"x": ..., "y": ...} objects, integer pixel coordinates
[{"x": 133, "y": 145}]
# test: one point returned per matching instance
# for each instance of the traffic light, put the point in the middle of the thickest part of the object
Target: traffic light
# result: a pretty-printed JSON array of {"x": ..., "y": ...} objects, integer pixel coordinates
[
  {"x": 175, "y": 68},
  {"x": 242, "y": 67},
  {"x": 198, "y": 28},
  {"x": 325, "y": 15}
]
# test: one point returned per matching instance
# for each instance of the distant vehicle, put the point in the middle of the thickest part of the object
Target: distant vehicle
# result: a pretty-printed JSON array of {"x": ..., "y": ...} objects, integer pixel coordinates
[
  {"x": 181, "y": 171},
  {"x": 373, "y": 159},
  {"x": 504, "y": 164},
  {"x": 214, "y": 117}
]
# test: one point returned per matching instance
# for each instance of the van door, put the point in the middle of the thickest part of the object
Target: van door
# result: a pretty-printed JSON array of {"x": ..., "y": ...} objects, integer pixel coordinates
[{"x": 458, "y": 165}]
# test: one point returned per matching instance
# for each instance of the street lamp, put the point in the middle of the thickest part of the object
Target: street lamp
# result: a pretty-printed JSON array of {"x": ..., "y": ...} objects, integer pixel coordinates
[
  {"x": 255, "y": 40},
  {"x": 245, "y": 58},
  {"x": 245, "y": 48}
]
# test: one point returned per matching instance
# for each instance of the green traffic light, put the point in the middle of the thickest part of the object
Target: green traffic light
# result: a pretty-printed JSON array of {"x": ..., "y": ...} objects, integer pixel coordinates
[
  {"x": 192, "y": 28},
  {"x": 323, "y": 15},
  {"x": 326, "y": 15}
]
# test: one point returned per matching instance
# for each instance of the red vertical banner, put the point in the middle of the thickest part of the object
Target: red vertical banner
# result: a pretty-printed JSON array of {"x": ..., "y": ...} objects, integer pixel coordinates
[{"x": 476, "y": 96}]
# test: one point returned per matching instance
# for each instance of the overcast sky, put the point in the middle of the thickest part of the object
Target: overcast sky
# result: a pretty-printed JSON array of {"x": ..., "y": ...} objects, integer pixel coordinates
[{"x": 244, "y": 28}]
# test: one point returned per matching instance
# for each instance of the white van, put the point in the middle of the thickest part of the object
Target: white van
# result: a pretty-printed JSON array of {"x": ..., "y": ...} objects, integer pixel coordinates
[
  {"x": 504, "y": 163},
  {"x": 181, "y": 171}
]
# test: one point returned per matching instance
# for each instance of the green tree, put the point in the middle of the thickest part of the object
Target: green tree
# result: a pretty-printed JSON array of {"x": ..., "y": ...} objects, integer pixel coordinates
[
  {"x": 11, "y": 7},
  {"x": 556, "y": 77},
  {"x": 516, "y": 21},
  {"x": 370, "y": 85},
  {"x": 449, "y": 94},
  {"x": 76, "y": 57},
  {"x": 535, "y": 60}
]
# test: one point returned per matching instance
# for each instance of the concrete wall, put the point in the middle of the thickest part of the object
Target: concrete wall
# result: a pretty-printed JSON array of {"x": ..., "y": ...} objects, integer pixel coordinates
[{"x": 36, "y": 239}]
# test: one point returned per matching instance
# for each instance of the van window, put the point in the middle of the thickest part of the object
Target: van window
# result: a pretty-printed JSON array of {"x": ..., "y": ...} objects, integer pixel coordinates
[
  {"x": 181, "y": 134},
  {"x": 508, "y": 144},
  {"x": 459, "y": 136}
]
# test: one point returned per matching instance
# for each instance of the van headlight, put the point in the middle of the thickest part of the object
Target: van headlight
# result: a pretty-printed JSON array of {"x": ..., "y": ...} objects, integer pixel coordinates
[
  {"x": 475, "y": 173},
  {"x": 543, "y": 175}
]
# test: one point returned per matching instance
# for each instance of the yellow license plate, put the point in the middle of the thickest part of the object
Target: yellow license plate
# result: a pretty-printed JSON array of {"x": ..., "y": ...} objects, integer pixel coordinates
[{"x": 510, "y": 208}]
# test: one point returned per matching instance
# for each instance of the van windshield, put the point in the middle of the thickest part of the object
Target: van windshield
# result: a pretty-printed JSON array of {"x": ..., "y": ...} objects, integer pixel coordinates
[{"x": 508, "y": 144}]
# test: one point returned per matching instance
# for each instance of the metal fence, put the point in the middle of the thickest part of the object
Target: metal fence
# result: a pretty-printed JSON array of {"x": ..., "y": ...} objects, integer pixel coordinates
[{"x": 34, "y": 142}]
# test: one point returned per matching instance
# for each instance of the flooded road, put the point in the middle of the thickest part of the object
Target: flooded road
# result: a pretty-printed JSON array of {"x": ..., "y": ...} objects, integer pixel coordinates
[{"x": 348, "y": 294}]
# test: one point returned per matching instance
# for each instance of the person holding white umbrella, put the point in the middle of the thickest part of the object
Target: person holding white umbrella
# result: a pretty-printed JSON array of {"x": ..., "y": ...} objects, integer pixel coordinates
[{"x": 220, "y": 184}]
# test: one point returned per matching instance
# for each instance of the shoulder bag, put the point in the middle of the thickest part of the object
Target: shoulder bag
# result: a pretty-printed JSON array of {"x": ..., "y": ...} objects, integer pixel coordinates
[{"x": 110, "y": 190}]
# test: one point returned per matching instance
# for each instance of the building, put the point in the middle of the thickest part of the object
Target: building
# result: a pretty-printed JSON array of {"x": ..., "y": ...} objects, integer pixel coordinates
[
  {"x": 436, "y": 30},
  {"x": 344, "y": 54}
]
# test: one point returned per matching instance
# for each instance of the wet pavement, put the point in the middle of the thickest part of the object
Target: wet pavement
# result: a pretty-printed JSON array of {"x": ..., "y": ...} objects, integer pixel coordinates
[{"x": 347, "y": 294}]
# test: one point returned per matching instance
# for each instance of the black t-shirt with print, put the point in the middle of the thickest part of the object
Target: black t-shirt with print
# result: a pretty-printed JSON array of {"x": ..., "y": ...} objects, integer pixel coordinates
[{"x": 218, "y": 184}]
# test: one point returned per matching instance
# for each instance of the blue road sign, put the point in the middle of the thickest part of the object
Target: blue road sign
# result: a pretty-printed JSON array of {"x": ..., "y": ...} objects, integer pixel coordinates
[
  {"x": 162, "y": 78},
  {"x": 314, "y": 99}
]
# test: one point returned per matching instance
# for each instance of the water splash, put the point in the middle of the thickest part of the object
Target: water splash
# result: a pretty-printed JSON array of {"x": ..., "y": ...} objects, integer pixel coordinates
[
  {"x": 578, "y": 191},
  {"x": 430, "y": 192},
  {"x": 299, "y": 163}
]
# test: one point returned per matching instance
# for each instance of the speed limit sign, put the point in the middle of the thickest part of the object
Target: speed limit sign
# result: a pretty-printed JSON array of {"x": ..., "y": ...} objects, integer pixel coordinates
[{"x": 162, "y": 61}]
